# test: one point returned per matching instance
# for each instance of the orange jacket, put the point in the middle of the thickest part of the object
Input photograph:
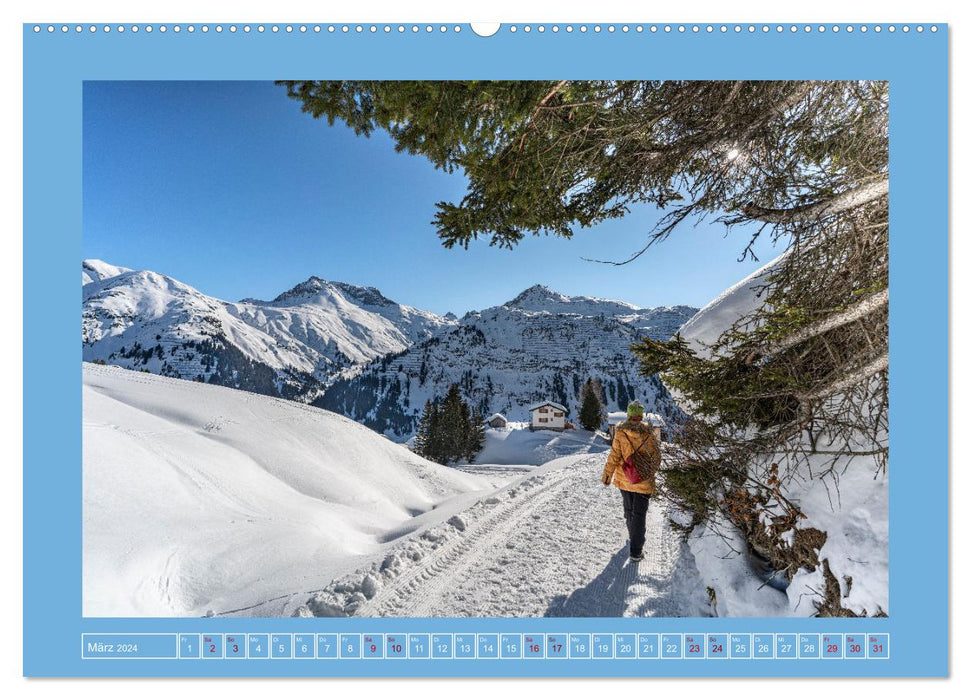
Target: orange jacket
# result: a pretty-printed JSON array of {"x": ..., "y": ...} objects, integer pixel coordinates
[{"x": 628, "y": 436}]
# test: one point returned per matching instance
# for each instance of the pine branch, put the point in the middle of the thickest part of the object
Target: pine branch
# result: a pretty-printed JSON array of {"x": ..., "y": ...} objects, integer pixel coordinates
[
  {"x": 863, "y": 308},
  {"x": 878, "y": 364},
  {"x": 836, "y": 205}
]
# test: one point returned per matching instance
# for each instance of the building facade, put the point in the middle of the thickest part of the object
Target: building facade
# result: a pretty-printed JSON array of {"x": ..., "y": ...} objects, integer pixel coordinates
[{"x": 547, "y": 416}]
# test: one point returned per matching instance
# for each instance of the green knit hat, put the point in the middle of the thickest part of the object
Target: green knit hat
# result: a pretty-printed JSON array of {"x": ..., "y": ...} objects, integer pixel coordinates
[{"x": 635, "y": 408}]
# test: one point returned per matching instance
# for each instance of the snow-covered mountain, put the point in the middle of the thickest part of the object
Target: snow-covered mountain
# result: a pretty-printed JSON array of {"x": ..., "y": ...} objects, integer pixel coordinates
[
  {"x": 98, "y": 270},
  {"x": 292, "y": 346},
  {"x": 314, "y": 340},
  {"x": 540, "y": 345},
  {"x": 662, "y": 321}
]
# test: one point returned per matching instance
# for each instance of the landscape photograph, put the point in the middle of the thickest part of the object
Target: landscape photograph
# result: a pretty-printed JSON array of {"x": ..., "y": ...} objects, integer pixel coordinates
[{"x": 555, "y": 348}]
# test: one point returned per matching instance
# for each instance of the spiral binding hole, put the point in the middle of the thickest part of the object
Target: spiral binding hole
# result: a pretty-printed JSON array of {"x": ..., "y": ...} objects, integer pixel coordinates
[{"x": 513, "y": 28}]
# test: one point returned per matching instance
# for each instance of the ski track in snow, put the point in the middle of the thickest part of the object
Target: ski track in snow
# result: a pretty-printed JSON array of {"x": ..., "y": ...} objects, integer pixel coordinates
[
  {"x": 549, "y": 542},
  {"x": 552, "y": 544}
]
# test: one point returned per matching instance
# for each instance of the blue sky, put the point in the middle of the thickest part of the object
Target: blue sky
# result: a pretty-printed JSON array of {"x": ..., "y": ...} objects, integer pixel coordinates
[{"x": 228, "y": 187}]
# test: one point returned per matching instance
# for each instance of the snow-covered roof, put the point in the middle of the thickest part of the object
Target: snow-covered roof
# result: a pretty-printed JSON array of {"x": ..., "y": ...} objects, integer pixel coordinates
[
  {"x": 654, "y": 419},
  {"x": 547, "y": 403},
  {"x": 617, "y": 417},
  {"x": 494, "y": 416}
]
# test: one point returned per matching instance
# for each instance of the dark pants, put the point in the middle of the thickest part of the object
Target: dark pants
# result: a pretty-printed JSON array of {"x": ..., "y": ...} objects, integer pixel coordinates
[{"x": 635, "y": 513}]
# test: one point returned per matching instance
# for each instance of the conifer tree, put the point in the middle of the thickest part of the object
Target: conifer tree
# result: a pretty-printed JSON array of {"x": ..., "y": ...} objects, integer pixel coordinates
[
  {"x": 475, "y": 440},
  {"x": 427, "y": 443},
  {"x": 449, "y": 431},
  {"x": 454, "y": 424},
  {"x": 591, "y": 405},
  {"x": 465, "y": 440}
]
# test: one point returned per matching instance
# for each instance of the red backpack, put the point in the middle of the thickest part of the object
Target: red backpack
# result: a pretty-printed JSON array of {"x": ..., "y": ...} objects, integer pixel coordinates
[{"x": 639, "y": 466}]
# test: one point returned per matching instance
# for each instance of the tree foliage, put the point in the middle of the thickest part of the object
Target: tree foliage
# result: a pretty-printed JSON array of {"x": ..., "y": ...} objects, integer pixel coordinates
[
  {"x": 592, "y": 412},
  {"x": 549, "y": 156},
  {"x": 449, "y": 430}
]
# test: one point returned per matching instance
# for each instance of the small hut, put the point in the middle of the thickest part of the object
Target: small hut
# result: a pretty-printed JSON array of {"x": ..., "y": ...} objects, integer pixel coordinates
[
  {"x": 497, "y": 420},
  {"x": 651, "y": 419}
]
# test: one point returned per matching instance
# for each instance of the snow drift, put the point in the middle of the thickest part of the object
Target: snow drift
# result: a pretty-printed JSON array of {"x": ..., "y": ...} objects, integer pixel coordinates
[
  {"x": 516, "y": 444},
  {"x": 736, "y": 302},
  {"x": 198, "y": 497}
]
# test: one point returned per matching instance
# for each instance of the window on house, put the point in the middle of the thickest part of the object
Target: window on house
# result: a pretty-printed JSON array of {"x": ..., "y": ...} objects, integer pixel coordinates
[
  {"x": 557, "y": 414},
  {"x": 543, "y": 420}
]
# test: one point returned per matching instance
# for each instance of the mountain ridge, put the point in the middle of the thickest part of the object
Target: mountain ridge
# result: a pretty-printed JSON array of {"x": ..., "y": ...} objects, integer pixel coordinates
[
  {"x": 141, "y": 319},
  {"x": 333, "y": 344},
  {"x": 509, "y": 356}
]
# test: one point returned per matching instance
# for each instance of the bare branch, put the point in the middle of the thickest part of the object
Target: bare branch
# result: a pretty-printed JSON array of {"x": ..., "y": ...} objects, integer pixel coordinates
[
  {"x": 865, "y": 307},
  {"x": 836, "y": 205},
  {"x": 879, "y": 364}
]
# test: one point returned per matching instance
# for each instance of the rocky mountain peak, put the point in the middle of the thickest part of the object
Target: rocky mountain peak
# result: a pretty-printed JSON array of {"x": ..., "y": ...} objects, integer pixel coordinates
[
  {"x": 311, "y": 287},
  {"x": 535, "y": 297},
  {"x": 370, "y": 296},
  {"x": 314, "y": 286}
]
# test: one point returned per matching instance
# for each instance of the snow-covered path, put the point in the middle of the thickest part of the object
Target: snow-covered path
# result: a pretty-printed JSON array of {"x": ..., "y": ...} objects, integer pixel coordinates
[{"x": 552, "y": 543}]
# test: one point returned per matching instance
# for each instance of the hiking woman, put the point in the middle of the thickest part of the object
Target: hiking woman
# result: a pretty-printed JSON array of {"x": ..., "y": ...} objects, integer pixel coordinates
[{"x": 635, "y": 448}]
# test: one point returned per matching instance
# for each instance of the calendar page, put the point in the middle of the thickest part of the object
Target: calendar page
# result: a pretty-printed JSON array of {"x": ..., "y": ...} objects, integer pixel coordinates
[{"x": 485, "y": 350}]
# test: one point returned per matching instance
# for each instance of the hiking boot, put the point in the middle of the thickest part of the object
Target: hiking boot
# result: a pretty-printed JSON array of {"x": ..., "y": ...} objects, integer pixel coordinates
[{"x": 636, "y": 557}]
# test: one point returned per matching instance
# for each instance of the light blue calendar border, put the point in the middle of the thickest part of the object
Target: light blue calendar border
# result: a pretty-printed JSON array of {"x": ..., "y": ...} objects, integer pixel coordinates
[{"x": 55, "y": 66}]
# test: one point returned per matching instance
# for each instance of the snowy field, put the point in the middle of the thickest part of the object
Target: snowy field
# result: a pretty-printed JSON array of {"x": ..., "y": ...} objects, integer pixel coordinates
[
  {"x": 201, "y": 498},
  {"x": 205, "y": 500},
  {"x": 516, "y": 444}
]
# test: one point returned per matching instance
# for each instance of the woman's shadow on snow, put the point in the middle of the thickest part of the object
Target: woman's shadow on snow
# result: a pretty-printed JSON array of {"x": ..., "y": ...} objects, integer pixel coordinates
[{"x": 604, "y": 596}]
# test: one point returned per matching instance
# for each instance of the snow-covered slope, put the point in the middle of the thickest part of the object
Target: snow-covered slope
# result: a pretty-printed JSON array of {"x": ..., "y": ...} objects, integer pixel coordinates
[
  {"x": 202, "y": 498},
  {"x": 736, "y": 302},
  {"x": 850, "y": 505},
  {"x": 517, "y": 444},
  {"x": 539, "y": 346},
  {"x": 292, "y": 346},
  {"x": 98, "y": 270}
]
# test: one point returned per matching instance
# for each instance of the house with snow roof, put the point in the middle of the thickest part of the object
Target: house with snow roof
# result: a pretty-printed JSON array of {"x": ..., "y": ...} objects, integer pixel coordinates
[
  {"x": 547, "y": 415},
  {"x": 652, "y": 419},
  {"x": 496, "y": 420}
]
